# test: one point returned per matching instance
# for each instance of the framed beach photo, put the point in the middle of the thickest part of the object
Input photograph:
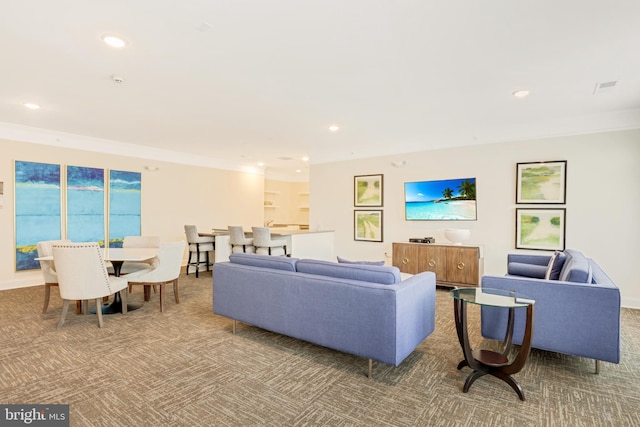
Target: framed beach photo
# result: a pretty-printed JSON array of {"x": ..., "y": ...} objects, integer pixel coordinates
[
  {"x": 539, "y": 228},
  {"x": 367, "y": 225},
  {"x": 542, "y": 182},
  {"x": 367, "y": 190}
]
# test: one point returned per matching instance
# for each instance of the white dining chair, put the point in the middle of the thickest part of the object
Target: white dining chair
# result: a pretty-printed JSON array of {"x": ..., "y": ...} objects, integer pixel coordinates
[
  {"x": 166, "y": 271},
  {"x": 265, "y": 245},
  {"x": 139, "y": 242},
  {"x": 239, "y": 242},
  {"x": 83, "y": 276},
  {"x": 48, "y": 269},
  {"x": 198, "y": 245}
]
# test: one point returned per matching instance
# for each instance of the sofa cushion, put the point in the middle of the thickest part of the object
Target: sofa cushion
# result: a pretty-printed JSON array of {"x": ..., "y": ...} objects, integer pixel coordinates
[
  {"x": 527, "y": 270},
  {"x": 555, "y": 266},
  {"x": 346, "y": 261},
  {"x": 384, "y": 275},
  {"x": 265, "y": 261},
  {"x": 576, "y": 268}
]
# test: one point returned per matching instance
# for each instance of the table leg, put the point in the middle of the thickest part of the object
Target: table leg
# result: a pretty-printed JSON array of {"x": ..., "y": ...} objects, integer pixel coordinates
[
  {"x": 485, "y": 362},
  {"x": 116, "y": 305}
]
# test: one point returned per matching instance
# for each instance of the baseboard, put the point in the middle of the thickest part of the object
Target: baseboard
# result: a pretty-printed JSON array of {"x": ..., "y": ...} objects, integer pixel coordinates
[
  {"x": 23, "y": 282},
  {"x": 630, "y": 302}
]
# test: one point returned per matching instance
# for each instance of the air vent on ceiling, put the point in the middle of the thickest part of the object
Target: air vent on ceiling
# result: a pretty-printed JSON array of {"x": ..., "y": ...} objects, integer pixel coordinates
[
  {"x": 285, "y": 158},
  {"x": 603, "y": 87}
]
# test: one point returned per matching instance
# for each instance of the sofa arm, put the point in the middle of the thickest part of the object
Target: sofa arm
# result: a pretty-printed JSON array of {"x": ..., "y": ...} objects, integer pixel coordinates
[
  {"x": 415, "y": 312},
  {"x": 571, "y": 318}
]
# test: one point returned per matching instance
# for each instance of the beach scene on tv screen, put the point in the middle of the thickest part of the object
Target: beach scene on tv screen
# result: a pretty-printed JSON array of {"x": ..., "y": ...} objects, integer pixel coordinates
[{"x": 449, "y": 199}]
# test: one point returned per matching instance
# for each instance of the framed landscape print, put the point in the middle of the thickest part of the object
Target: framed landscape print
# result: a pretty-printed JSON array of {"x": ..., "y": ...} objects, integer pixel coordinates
[
  {"x": 541, "y": 182},
  {"x": 367, "y": 190},
  {"x": 539, "y": 228},
  {"x": 367, "y": 225}
]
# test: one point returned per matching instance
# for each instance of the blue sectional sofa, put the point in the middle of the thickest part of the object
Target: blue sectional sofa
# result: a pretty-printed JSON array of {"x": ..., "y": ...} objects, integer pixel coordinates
[
  {"x": 577, "y": 310},
  {"x": 365, "y": 310}
]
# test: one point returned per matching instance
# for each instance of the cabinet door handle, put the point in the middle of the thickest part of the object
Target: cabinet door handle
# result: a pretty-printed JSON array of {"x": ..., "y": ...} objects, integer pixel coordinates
[
  {"x": 432, "y": 263},
  {"x": 405, "y": 260},
  {"x": 460, "y": 265}
]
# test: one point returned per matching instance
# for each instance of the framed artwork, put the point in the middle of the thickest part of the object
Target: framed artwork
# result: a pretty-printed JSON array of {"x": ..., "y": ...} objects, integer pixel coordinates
[
  {"x": 85, "y": 204},
  {"x": 367, "y": 190},
  {"x": 124, "y": 206},
  {"x": 542, "y": 182},
  {"x": 38, "y": 209},
  {"x": 539, "y": 228},
  {"x": 367, "y": 225}
]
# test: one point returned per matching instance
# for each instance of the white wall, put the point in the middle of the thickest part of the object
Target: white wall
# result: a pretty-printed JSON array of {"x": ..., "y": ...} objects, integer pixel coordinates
[
  {"x": 603, "y": 201},
  {"x": 287, "y": 197},
  {"x": 172, "y": 196}
]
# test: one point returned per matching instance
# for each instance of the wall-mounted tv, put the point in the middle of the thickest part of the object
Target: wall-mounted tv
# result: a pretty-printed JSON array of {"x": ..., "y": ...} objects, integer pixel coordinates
[{"x": 444, "y": 200}]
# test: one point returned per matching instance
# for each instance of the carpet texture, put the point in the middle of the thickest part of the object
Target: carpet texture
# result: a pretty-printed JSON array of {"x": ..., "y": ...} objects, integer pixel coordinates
[{"x": 184, "y": 367}]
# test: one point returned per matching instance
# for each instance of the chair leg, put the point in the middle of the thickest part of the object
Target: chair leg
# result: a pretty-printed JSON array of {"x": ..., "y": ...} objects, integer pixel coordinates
[
  {"x": 65, "y": 308},
  {"x": 197, "y": 261},
  {"x": 79, "y": 307},
  {"x": 123, "y": 297},
  {"x": 47, "y": 293},
  {"x": 99, "y": 311},
  {"x": 84, "y": 306},
  {"x": 175, "y": 291},
  {"x": 189, "y": 262},
  {"x": 207, "y": 258}
]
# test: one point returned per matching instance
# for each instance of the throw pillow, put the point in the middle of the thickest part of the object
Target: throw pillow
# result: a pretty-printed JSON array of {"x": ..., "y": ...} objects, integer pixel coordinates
[
  {"x": 555, "y": 266},
  {"x": 346, "y": 261},
  {"x": 547, "y": 274}
]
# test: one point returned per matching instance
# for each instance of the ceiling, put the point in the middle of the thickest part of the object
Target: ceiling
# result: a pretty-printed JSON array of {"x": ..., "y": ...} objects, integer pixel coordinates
[{"x": 230, "y": 83}]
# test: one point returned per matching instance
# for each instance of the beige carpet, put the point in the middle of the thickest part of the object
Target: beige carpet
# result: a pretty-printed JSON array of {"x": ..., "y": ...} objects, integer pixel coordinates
[{"x": 184, "y": 367}]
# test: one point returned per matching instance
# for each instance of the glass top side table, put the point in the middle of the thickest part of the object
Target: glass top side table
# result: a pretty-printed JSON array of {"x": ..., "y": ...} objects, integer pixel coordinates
[{"x": 490, "y": 362}]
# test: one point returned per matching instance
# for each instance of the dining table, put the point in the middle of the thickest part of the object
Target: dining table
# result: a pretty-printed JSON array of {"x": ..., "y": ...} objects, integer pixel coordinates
[{"x": 117, "y": 257}]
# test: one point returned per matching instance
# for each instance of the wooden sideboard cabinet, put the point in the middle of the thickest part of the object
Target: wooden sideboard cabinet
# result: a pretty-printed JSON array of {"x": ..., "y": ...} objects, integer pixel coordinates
[{"x": 454, "y": 265}]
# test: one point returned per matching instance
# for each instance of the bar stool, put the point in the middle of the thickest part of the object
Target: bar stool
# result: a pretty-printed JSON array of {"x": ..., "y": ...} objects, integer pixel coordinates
[
  {"x": 237, "y": 239},
  {"x": 198, "y": 244},
  {"x": 263, "y": 243}
]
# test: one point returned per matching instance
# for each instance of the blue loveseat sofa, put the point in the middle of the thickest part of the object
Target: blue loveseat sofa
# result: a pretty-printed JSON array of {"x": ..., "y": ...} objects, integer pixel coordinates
[
  {"x": 577, "y": 309},
  {"x": 365, "y": 310}
]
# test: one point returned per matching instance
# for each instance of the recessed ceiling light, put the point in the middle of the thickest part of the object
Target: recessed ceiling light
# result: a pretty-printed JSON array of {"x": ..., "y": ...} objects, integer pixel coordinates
[
  {"x": 334, "y": 128},
  {"x": 114, "y": 41},
  {"x": 32, "y": 106},
  {"x": 298, "y": 170},
  {"x": 260, "y": 164},
  {"x": 305, "y": 159},
  {"x": 521, "y": 93}
]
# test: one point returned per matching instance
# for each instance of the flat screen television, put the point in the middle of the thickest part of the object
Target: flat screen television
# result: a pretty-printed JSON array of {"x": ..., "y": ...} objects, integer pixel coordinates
[{"x": 444, "y": 200}]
